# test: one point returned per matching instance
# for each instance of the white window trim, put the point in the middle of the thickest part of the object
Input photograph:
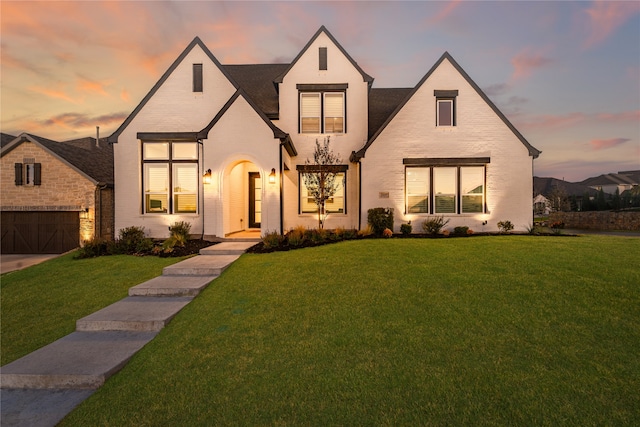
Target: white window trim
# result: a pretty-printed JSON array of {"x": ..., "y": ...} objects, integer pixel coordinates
[{"x": 441, "y": 101}]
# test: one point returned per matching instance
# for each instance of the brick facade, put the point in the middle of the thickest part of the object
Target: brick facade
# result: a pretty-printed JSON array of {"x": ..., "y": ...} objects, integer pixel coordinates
[{"x": 62, "y": 187}]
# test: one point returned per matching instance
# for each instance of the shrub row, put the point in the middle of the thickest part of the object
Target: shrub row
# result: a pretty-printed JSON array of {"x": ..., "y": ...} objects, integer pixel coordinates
[{"x": 134, "y": 241}]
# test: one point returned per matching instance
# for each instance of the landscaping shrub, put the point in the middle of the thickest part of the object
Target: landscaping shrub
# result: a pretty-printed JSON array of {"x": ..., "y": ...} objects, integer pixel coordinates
[
  {"x": 387, "y": 233},
  {"x": 318, "y": 235},
  {"x": 92, "y": 248},
  {"x": 366, "y": 231},
  {"x": 272, "y": 239},
  {"x": 557, "y": 227},
  {"x": 406, "y": 229},
  {"x": 505, "y": 226},
  {"x": 434, "y": 224},
  {"x": 379, "y": 219},
  {"x": 295, "y": 237},
  {"x": 132, "y": 240},
  {"x": 461, "y": 230},
  {"x": 180, "y": 234}
]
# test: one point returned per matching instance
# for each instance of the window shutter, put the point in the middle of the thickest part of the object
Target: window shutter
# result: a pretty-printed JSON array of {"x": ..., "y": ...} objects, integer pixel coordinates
[
  {"x": 323, "y": 58},
  {"x": 197, "y": 77},
  {"x": 18, "y": 167},
  {"x": 37, "y": 173}
]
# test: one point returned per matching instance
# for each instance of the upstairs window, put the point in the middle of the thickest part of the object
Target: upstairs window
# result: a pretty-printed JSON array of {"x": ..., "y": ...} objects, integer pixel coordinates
[
  {"x": 323, "y": 110},
  {"x": 197, "y": 77},
  {"x": 445, "y": 107},
  {"x": 28, "y": 173},
  {"x": 170, "y": 177}
]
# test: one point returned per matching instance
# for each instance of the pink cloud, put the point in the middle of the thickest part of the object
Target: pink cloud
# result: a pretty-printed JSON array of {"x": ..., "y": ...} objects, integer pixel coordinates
[
  {"x": 92, "y": 87},
  {"x": 600, "y": 144},
  {"x": 606, "y": 16},
  {"x": 571, "y": 119},
  {"x": 444, "y": 12},
  {"x": 525, "y": 62},
  {"x": 54, "y": 93},
  {"x": 125, "y": 95}
]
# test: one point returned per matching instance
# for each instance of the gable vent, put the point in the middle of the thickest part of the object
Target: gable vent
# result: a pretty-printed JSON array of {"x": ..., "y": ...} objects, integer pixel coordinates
[{"x": 323, "y": 58}]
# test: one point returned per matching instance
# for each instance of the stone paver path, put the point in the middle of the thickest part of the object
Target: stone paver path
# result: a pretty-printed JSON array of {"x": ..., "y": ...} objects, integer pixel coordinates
[{"x": 41, "y": 388}]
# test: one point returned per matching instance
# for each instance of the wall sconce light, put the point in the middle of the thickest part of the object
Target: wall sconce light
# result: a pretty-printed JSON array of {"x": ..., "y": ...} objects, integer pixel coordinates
[
  {"x": 84, "y": 213},
  {"x": 206, "y": 178},
  {"x": 272, "y": 176}
]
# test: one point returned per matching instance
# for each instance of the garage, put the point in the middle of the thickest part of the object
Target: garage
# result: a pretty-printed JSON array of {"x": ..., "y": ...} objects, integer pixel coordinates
[{"x": 39, "y": 232}]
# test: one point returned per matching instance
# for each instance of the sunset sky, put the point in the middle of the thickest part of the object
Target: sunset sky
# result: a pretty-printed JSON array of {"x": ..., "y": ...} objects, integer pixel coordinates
[{"x": 567, "y": 74}]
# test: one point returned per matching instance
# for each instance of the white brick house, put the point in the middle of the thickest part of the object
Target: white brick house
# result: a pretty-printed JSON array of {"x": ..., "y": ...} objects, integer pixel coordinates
[{"x": 441, "y": 148}]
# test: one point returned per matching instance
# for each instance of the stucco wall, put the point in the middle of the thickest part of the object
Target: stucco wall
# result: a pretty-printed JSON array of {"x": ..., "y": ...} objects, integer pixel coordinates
[
  {"x": 479, "y": 132},
  {"x": 62, "y": 188}
]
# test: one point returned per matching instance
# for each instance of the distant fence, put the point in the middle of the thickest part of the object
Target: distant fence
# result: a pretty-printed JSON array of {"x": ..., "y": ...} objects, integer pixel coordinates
[{"x": 598, "y": 220}]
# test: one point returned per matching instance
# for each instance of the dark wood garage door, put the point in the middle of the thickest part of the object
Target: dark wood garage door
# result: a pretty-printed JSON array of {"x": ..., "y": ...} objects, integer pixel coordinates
[{"x": 40, "y": 232}]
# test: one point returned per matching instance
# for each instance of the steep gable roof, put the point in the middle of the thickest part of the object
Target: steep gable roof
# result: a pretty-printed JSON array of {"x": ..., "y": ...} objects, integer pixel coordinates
[
  {"x": 612, "y": 179},
  {"x": 82, "y": 155},
  {"x": 195, "y": 42},
  {"x": 382, "y": 103},
  {"x": 365, "y": 77},
  {"x": 355, "y": 156},
  {"x": 5, "y": 139},
  {"x": 545, "y": 186},
  {"x": 257, "y": 81}
]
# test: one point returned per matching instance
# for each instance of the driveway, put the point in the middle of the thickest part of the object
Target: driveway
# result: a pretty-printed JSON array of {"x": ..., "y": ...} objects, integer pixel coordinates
[{"x": 18, "y": 262}]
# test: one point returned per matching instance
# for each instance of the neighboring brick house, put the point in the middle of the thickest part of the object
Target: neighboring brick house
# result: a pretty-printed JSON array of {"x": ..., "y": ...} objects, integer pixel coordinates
[
  {"x": 55, "y": 195},
  {"x": 440, "y": 148}
]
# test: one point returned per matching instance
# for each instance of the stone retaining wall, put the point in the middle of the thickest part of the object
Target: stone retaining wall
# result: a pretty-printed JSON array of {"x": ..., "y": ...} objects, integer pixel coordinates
[{"x": 598, "y": 220}]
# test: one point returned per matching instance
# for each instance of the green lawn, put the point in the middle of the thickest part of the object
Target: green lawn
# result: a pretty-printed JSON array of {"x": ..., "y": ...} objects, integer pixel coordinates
[
  {"x": 499, "y": 330},
  {"x": 42, "y": 303}
]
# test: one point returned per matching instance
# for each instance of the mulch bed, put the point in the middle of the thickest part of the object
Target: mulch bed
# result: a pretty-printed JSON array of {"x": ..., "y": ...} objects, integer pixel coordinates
[{"x": 191, "y": 247}]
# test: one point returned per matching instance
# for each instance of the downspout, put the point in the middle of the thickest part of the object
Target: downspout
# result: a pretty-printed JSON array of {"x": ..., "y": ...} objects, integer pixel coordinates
[
  {"x": 359, "y": 195},
  {"x": 201, "y": 144},
  {"x": 281, "y": 189}
]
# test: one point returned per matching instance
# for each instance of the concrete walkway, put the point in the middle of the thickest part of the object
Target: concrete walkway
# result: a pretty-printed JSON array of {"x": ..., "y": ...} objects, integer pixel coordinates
[{"x": 43, "y": 387}]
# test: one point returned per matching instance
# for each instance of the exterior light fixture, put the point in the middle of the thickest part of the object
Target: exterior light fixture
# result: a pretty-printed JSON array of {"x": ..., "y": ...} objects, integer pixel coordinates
[
  {"x": 206, "y": 178},
  {"x": 272, "y": 176},
  {"x": 84, "y": 213}
]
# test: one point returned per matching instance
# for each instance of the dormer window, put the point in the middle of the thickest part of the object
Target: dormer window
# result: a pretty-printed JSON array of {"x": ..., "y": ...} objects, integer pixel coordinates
[
  {"x": 322, "y": 108},
  {"x": 197, "y": 77},
  {"x": 445, "y": 107}
]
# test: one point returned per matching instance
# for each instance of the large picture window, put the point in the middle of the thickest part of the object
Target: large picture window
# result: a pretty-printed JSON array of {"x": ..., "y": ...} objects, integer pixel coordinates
[
  {"x": 444, "y": 188},
  {"x": 170, "y": 177},
  {"x": 322, "y": 112},
  {"x": 335, "y": 204}
]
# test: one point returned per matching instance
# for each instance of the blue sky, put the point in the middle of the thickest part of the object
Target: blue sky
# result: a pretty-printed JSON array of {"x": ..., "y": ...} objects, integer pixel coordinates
[{"x": 567, "y": 74}]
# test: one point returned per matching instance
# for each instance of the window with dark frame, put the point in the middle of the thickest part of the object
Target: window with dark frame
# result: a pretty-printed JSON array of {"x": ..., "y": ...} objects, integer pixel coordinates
[
  {"x": 197, "y": 77},
  {"x": 322, "y": 111},
  {"x": 445, "y": 188},
  {"x": 170, "y": 177},
  {"x": 445, "y": 107},
  {"x": 335, "y": 204},
  {"x": 28, "y": 173}
]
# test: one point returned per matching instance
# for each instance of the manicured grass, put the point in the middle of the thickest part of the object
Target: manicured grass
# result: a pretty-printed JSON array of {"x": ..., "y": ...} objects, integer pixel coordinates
[
  {"x": 503, "y": 330},
  {"x": 42, "y": 303}
]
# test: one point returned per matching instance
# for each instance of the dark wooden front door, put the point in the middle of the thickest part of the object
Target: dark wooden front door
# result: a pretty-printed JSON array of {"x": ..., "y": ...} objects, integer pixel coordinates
[
  {"x": 39, "y": 232},
  {"x": 255, "y": 200}
]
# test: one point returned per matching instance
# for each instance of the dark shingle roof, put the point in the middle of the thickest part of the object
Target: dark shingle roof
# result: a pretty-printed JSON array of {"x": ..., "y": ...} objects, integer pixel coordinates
[
  {"x": 257, "y": 81},
  {"x": 382, "y": 102},
  {"x": 5, "y": 138},
  {"x": 96, "y": 162},
  {"x": 545, "y": 186},
  {"x": 627, "y": 178}
]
